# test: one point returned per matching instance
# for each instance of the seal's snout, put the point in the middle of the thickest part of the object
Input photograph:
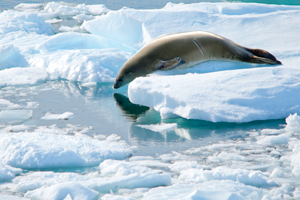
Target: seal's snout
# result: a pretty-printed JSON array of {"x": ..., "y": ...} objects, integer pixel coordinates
[{"x": 118, "y": 83}]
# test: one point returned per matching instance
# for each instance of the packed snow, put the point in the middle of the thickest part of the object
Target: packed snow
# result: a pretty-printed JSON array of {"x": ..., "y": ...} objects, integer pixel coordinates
[{"x": 43, "y": 160}]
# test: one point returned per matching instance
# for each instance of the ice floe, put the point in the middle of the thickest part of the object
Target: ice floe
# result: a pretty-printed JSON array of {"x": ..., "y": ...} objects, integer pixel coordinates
[
  {"x": 64, "y": 116},
  {"x": 7, "y": 172},
  {"x": 42, "y": 150}
]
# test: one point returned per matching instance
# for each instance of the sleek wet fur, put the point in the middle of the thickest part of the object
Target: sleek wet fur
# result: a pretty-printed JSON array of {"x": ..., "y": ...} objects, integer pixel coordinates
[{"x": 182, "y": 50}]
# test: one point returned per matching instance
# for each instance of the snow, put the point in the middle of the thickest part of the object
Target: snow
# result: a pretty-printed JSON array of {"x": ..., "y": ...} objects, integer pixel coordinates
[{"x": 41, "y": 160}]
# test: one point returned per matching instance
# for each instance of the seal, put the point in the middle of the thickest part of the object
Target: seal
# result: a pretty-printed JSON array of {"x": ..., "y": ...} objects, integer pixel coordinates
[{"x": 180, "y": 50}]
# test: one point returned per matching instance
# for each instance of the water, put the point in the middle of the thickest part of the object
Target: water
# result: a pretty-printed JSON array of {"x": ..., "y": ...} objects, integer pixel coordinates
[{"x": 110, "y": 111}]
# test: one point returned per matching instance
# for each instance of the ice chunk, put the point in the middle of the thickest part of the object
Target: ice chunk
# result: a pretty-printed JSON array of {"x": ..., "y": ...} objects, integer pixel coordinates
[
  {"x": 293, "y": 123},
  {"x": 36, "y": 180},
  {"x": 14, "y": 116},
  {"x": 32, "y": 104},
  {"x": 163, "y": 127},
  {"x": 22, "y": 76},
  {"x": 180, "y": 191},
  {"x": 295, "y": 158},
  {"x": 5, "y": 104},
  {"x": 65, "y": 10},
  {"x": 254, "y": 178},
  {"x": 117, "y": 26},
  {"x": 7, "y": 172},
  {"x": 212, "y": 195},
  {"x": 121, "y": 168},
  {"x": 138, "y": 158},
  {"x": 83, "y": 17},
  {"x": 60, "y": 191},
  {"x": 16, "y": 128},
  {"x": 89, "y": 65},
  {"x": 13, "y": 21},
  {"x": 230, "y": 96},
  {"x": 36, "y": 149},
  {"x": 10, "y": 57},
  {"x": 73, "y": 41},
  {"x": 28, "y": 6},
  {"x": 64, "y": 116},
  {"x": 274, "y": 140},
  {"x": 136, "y": 180},
  {"x": 97, "y": 9},
  {"x": 228, "y": 9},
  {"x": 182, "y": 165}
]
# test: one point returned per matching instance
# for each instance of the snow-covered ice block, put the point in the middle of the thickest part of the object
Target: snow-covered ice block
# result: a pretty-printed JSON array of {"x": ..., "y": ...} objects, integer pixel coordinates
[
  {"x": 64, "y": 116},
  {"x": 7, "y": 172},
  {"x": 74, "y": 191},
  {"x": 36, "y": 149},
  {"x": 14, "y": 116},
  {"x": 229, "y": 96}
]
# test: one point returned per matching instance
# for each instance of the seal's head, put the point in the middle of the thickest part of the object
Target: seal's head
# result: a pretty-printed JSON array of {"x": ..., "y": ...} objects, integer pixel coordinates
[{"x": 131, "y": 69}]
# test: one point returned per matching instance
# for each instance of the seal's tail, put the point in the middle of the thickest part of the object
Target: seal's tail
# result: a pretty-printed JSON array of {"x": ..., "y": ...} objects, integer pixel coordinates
[{"x": 262, "y": 57}]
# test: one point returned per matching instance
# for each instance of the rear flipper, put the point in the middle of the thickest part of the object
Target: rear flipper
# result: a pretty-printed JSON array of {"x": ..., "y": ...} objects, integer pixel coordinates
[{"x": 262, "y": 57}]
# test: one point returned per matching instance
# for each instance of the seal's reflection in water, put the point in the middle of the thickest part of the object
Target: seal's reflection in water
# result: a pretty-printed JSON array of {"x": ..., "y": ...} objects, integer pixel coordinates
[
  {"x": 187, "y": 130},
  {"x": 131, "y": 111}
]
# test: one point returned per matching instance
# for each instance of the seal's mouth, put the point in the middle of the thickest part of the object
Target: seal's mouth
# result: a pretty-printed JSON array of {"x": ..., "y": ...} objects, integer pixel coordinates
[{"x": 117, "y": 84}]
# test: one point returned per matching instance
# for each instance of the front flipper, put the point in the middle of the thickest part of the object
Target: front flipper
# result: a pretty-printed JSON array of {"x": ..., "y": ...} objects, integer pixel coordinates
[{"x": 170, "y": 64}]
